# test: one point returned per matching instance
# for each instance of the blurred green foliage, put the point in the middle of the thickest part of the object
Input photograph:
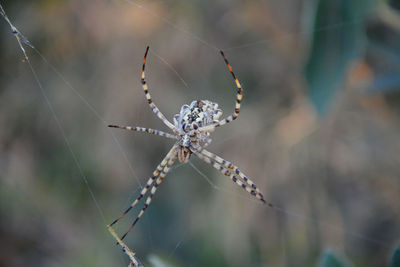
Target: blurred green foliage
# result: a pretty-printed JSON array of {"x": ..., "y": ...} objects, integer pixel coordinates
[
  {"x": 396, "y": 257},
  {"x": 338, "y": 39},
  {"x": 329, "y": 259}
]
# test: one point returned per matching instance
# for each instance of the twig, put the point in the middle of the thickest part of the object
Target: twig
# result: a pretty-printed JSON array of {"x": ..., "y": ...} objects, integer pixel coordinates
[
  {"x": 134, "y": 262},
  {"x": 20, "y": 37}
]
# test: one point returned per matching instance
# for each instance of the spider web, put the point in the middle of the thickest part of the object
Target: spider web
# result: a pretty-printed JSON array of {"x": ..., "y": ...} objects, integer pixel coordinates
[{"x": 22, "y": 40}]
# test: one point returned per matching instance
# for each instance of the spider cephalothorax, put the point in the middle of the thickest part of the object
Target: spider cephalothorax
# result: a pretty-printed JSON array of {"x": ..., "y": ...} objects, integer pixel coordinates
[
  {"x": 192, "y": 128},
  {"x": 188, "y": 122}
]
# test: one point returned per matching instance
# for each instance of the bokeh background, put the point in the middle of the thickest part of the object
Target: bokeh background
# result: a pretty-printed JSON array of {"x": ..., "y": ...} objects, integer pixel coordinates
[{"x": 318, "y": 131}]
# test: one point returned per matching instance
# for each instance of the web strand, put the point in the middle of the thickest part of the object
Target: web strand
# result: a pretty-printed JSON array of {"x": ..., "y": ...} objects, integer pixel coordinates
[
  {"x": 22, "y": 39},
  {"x": 67, "y": 143},
  {"x": 172, "y": 68},
  {"x": 289, "y": 35},
  {"x": 18, "y": 35},
  {"x": 94, "y": 111},
  {"x": 173, "y": 25}
]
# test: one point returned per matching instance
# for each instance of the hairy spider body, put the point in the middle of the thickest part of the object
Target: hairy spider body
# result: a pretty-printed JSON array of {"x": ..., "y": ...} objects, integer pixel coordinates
[
  {"x": 192, "y": 128},
  {"x": 192, "y": 117}
]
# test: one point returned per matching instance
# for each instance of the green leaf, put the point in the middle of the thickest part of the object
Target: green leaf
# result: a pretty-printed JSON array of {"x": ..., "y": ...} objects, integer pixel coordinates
[
  {"x": 396, "y": 258},
  {"x": 329, "y": 259},
  {"x": 337, "y": 40}
]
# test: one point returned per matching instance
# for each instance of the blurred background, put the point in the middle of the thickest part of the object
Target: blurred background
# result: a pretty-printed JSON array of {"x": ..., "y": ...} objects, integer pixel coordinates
[{"x": 318, "y": 132}]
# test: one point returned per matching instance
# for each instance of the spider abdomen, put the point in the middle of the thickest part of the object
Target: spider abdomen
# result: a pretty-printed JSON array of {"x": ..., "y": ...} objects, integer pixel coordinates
[{"x": 198, "y": 114}]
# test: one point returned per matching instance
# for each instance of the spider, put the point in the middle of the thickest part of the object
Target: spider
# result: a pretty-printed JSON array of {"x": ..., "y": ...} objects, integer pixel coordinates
[{"x": 192, "y": 128}]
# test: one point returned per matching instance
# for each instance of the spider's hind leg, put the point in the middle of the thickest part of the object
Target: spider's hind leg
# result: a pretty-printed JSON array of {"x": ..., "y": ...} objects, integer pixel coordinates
[
  {"x": 253, "y": 190},
  {"x": 239, "y": 96},
  {"x": 150, "y": 181},
  {"x": 229, "y": 165},
  {"x": 152, "y": 192}
]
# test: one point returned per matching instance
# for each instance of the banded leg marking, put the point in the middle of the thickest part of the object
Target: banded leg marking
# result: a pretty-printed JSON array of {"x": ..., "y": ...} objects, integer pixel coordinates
[
  {"x": 152, "y": 192},
  {"x": 146, "y": 130},
  {"x": 228, "y": 173},
  {"x": 239, "y": 96},
  {"x": 150, "y": 181},
  {"x": 229, "y": 165},
  {"x": 153, "y": 107},
  {"x": 207, "y": 142}
]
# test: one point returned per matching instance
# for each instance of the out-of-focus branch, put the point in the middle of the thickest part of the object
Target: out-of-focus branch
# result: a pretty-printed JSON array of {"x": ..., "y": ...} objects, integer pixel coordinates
[
  {"x": 21, "y": 39},
  {"x": 134, "y": 261}
]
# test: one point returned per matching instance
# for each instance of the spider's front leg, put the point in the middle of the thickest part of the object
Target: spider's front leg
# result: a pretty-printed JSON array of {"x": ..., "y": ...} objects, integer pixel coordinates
[
  {"x": 153, "y": 106},
  {"x": 239, "y": 96}
]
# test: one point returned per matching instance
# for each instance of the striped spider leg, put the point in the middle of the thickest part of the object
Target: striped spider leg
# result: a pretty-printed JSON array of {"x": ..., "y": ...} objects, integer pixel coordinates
[
  {"x": 145, "y": 130},
  {"x": 192, "y": 128},
  {"x": 155, "y": 180},
  {"x": 153, "y": 190},
  {"x": 228, "y": 169},
  {"x": 239, "y": 96},
  {"x": 153, "y": 106}
]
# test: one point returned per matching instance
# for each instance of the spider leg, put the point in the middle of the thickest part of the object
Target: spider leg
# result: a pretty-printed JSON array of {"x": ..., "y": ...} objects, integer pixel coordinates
[
  {"x": 207, "y": 142},
  {"x": 228, "y": 173},
  {"x": 153, "y": 107},
  {"x": 239, "y": 96},
  {"x": 146, "y": 130},
  {"x": 230, "y": 166},
  {"x": 152, "y": 192},
  {"x": 150, "y": 181}
]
